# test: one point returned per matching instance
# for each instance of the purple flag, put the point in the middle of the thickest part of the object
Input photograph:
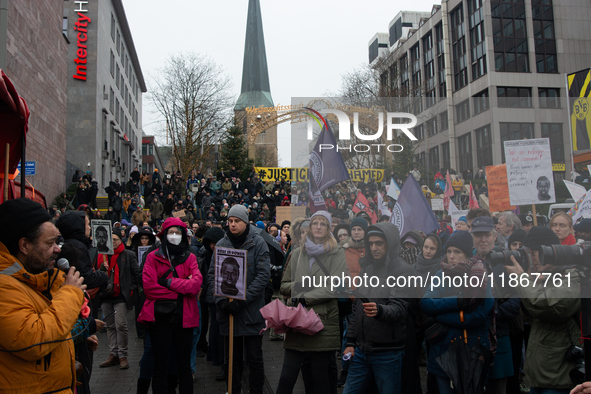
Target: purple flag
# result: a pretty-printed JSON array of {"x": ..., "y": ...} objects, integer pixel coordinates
[
  {"x": 316, "y": 201},
  {"x": 326, "y": 167},
  {"x": 412, "y": 210}
]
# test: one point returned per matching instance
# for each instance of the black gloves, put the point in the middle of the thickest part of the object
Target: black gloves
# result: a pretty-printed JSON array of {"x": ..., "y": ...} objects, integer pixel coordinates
[
  {"x": 224, "y": 305},
  {"x": 165, "y": 282},
  {"x": 235, "y": 306},
  {"x": 231, "y": 307}
]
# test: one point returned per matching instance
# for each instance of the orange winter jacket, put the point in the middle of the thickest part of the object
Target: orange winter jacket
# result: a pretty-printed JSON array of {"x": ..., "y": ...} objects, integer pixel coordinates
[{"x": 28, "y": 317}]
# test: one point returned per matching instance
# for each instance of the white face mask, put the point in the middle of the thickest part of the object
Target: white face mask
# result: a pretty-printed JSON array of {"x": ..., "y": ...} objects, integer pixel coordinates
[{"x": 174, "y": 239}]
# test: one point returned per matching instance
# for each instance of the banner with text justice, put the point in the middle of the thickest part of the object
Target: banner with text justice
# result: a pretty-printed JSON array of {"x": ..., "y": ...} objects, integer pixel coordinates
[{"x": 300, "y": 174}]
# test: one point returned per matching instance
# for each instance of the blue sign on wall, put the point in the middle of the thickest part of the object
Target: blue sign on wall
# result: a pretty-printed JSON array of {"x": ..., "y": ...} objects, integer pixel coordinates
[{"x": 30, "y": 168}]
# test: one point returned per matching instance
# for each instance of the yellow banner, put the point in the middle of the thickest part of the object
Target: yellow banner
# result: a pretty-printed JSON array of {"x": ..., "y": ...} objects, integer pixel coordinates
[{"x": 300, "y": 174}]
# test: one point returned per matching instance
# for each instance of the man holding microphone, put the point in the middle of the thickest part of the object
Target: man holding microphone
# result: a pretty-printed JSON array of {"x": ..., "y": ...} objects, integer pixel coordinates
[{"x": 39, "y": 304}]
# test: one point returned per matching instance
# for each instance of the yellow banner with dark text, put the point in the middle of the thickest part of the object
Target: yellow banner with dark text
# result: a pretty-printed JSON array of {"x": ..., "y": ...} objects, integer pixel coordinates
[{"x": 300, "y": 174}]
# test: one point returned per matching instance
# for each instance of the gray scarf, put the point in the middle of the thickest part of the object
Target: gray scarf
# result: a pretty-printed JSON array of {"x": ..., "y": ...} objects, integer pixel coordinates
[{"x": 314, "y": 250}]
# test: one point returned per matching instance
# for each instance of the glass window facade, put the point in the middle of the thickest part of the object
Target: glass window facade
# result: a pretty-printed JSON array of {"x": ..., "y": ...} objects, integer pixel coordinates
[
  {"x": 458, "y": 39},
  {"x": 545, "y": 41},
  {"x": 510, "y": 36}
]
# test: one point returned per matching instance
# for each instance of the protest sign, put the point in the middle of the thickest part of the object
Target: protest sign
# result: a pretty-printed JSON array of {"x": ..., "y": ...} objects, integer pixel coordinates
[
  {"x": 101, "y": 236},
  {"x": 300, "y": 174},
  {"x": 437, "y": 204},
  {"x": 289, "y": 213},
  {"x": 575, "y": 190},
  {"x": 455, "y": 215},
  {"x": 498, "y": 189},
  {"x": 230, "y": 273},
  {"x": 529, "y": 171},
  {"x": 140, "y": 253}
]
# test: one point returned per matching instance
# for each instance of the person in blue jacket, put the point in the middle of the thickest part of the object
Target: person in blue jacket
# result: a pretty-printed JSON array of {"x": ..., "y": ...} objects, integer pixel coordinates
[{"x": 457, "y": 311}]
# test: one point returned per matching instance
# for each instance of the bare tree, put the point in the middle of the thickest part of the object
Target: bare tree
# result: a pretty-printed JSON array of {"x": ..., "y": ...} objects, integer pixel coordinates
[
  {"x": 370, "y": 87},
  {"x": 192, "y": 94}
]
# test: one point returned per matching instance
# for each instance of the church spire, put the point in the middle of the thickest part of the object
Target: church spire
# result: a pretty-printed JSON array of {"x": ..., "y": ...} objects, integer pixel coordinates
[{"x": 255, "y": 89}]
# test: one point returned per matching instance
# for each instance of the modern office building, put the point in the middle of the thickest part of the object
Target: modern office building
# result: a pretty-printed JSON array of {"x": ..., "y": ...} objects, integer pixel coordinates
[
  {"x": 486, "y": 72},
  {"x": 105, "y": 86},
  {"x": 34, "y": 57}
]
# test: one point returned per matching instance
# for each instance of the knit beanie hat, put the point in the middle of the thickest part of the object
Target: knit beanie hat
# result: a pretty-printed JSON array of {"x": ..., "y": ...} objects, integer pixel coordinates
[
  {"x": 18, "y": 217},
  {"x": 325, "y": 214},
  {"x": 240, "y": 212},
  {"x": 518, "y": 235},
  {"x": 359, "y": 222},
  {"x": 540, "y": 235},
  {"x": 118, "y": 231},
  {"x": 461, "y": 240}
]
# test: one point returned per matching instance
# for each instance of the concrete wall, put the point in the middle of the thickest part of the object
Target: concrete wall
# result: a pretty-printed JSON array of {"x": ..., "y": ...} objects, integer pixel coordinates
[{"x": 36, "y": 64}]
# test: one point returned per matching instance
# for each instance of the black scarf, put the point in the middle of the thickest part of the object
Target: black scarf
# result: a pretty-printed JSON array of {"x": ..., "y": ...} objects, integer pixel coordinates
[
  {"x": 409, "y": 255},
  {"x": 238, "y": 241}
]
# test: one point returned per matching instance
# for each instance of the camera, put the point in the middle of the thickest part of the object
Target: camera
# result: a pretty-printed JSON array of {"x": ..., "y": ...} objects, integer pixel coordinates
[
  {"x": 522, "y": 255},
  {"x": 576, "y": 354},
  {"x": 566, "y": 254}
]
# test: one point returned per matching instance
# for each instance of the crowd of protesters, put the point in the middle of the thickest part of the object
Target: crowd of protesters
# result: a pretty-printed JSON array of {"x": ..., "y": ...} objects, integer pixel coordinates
[{"x": 524, "y": 338}]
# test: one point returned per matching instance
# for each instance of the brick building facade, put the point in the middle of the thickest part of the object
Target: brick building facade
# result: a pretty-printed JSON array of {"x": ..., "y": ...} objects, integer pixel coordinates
[{"x": 37, "y": 66}]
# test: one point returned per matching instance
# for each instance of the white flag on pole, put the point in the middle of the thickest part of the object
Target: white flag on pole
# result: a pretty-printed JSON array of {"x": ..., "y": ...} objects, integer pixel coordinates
[
  {"x": 384, "y": 210},
  {"x": 452, "y": 208},
  {"x": 576, "y": 191},
  {"x": 393, "y": 190}
]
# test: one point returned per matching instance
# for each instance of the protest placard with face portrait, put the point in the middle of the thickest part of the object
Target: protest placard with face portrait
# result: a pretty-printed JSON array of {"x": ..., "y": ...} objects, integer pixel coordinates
[
  {"x": 101, "y": 236},
  {"x": 230, "y": 273},
  {"x": 529, "y": 171}
]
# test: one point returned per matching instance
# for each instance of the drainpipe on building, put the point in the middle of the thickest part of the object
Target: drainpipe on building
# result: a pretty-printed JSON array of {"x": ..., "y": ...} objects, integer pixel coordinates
[{"x": 3, "y": 32}]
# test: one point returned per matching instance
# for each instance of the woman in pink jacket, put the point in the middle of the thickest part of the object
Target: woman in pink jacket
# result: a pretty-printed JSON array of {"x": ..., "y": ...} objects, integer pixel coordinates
[{"x": 171, "y": 281}]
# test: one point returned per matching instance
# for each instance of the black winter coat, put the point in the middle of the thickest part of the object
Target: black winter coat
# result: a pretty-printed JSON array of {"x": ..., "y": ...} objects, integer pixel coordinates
[{"x": 71, "y": 226}]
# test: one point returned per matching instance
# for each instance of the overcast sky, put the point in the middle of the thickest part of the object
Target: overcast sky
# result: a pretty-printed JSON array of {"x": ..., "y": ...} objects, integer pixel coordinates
[{"x": 309, "y": 43}]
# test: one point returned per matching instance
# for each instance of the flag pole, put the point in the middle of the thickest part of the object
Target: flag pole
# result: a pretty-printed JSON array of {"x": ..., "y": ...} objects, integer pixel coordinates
[{"x": 570, "y": 130}]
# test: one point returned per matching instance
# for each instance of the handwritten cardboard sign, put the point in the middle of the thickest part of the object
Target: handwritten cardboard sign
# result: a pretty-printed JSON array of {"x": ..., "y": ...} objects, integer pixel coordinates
[{"x": 498, "y": 188}]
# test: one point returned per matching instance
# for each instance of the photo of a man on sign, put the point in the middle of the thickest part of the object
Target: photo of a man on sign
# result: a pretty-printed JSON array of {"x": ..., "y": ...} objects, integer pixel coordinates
[
  {"x": 230, "y": 273},
  {"x": 230, "y": 276},
  {"x": 529, "y": 171},
  {"x": 101, "y": 236},
  {"x": 543, "y": 185}
]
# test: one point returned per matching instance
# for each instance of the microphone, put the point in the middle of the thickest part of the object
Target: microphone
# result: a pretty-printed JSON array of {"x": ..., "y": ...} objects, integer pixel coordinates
[{"x": 63, "y": 264}]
